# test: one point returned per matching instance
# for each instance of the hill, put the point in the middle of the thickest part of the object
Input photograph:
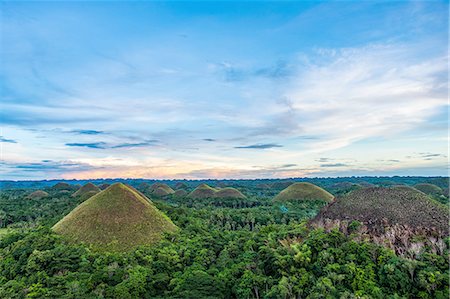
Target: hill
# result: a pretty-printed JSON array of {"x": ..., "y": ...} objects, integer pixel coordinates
[
  {"x": 62, "y": 186},
  {"x": 180, "y": 193},
  {"x": 89, "y": 188},
  {"x": 116, "y": 219},
  {"x": 37, "y": 194},
  {"x": 430, "y": 189},
  {"x": 104, "y": 186},
  {"x": 202, "y": 191},
  {"x": 391, "y": 216},
  {"x": 303, "y": 191},
  {"x": 163, "y": 191},
  {"x": 229, "y": 192},
  {"x": 181, "y": 185},
  {"x": 163, "y": 188}
]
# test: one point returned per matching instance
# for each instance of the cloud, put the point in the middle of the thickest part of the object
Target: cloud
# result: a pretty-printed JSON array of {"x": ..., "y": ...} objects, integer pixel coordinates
[
  {"x": 430, "y": 155},
  {"x": 139, "y": 144},
  {"x": 260, "y": 146},
  {"x": 5, "y": 140},
  {"x": 235, "y": 73},
  {"x": 97, "y": 145},
  {"x": 348, "y": 95},
  {"x": 323, "y": 160},
  {"x": 43, "y": 168},
  {"x": 104, "y": 145},
  {"x": 87, "y": 132},
  {"x": 334, "y": 165}
]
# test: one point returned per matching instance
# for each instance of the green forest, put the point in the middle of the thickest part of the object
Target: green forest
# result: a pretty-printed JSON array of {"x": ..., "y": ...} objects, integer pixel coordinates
[{"x": 249, "y": 247}]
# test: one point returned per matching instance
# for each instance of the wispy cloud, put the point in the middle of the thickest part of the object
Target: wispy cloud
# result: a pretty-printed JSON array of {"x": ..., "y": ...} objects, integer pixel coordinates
[
  {"x": 104, "y": 145},
  {"x": 260, "y": 146},
  {"x": 334, "y": 165},
  {"x": 6, "y": 140},
  {"x": 97, "y": 145},
  {"x": 87, "y": 132},
  {"x": 234, "y": 73}
]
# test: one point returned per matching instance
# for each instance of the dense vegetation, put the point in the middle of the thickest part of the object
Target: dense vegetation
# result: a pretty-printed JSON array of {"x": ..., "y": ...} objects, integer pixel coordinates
[{"x": 225, "y": 248}]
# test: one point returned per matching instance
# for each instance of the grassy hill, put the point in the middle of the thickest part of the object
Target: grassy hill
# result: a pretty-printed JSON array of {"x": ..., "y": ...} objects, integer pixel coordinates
[
  {"x": 180, "y": 193},
  {"x": 392, "y": 216},
  {"x": 88, "y": 189},
  {"x": 303, "y": 191},
  {"x": 202, "y": 191},
  {"x": 163, "y": 191},
  {"x": 116, "y": 219},
  {"x": 63, "y": 186},
  {"x": 430, "y": 189},
  {"x": 37, "y": 194},
  {"x": 229, "y": 192}
]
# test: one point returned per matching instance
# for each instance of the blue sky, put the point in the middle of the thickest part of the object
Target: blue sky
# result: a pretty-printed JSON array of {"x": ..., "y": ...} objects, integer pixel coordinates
[{"x": 223, "y": 89}]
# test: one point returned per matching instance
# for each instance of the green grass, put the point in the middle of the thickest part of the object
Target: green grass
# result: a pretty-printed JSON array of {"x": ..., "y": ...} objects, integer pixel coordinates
[
  {"x": 116, "y": 219},
  {"x": 429, "y": 189},
  {"x": 303, "y": 191},
  {"x": 202, "y": 191},
  {"x": 89, "y": 188},
  {"x": 229, "y": 192}
]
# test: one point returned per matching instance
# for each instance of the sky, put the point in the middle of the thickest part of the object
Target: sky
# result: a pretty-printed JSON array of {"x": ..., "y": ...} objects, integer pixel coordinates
[{"x": 194, "y": 90}]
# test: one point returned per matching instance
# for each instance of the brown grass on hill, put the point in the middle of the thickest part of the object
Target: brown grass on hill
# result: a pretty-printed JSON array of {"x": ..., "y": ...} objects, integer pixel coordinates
[
  {"x": 103, "y": 186},
  {"x": 180, "y": 193},
  {"x": 390, "y": 216},
  {"x": 116, "y": 219},
  {"x": 229, "y": 192},
  {"x": 202, "y": 191},
  {"x": 181, "y": 185},
  {"x": 430, "y": 189},
  {"x": 88, "y": 188},
  {"x": 303, "y": 191},
  {"x": 62, "y": 186},
  {"x": 37, "y": 194}
]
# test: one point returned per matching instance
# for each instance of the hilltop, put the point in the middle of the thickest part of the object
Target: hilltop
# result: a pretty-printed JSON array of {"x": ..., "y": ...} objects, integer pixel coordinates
[
  {"x": 37, "y": 194},
  {"x": 202, "y": 191},
  {"x": 430, "y": 189},
  {"x": 87, "y": 190},
  {"x": 390, "y": 216},
  {"x": 116, "y": 219},
  {"x": 63, "y": 186},
  {"x": 303, "y": 191},
  {"x": 229, "y": 192}
]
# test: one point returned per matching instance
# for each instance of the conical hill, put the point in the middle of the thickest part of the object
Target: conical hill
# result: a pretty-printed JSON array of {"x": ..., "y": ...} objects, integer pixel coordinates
[{"x": 116, "y": 219}]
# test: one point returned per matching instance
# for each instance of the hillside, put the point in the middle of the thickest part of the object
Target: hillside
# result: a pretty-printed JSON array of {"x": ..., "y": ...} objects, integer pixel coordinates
[
  {"x": 116, "y": 219},
  {"x": 389, "y": 216},
  {"x": 430, "y": 189},
  {"x": 163, "y": 191},
  {"x": 37, "y": 194},
  {"x": 180, "y": 193},
  {"x": 202, "y": 191},
  {"x": 62, "y": 186},
  {"x": 88, "y": 189},
  {"x": 229, "y": 192},
  {"x": 303, "y": 191}
]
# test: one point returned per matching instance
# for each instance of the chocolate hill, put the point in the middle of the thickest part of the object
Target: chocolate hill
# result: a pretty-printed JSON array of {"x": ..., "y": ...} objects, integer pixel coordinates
[
  {"x": 87, "y": 191},
  {"x": 202, "y": 191},
  {"x": 303, "y": 191},
  {"x": 37, "y": 194},
  {"x": 116, "y": 219},
  {"x": 401, "y": 218},
  {"x": 229, "y": 192}
]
